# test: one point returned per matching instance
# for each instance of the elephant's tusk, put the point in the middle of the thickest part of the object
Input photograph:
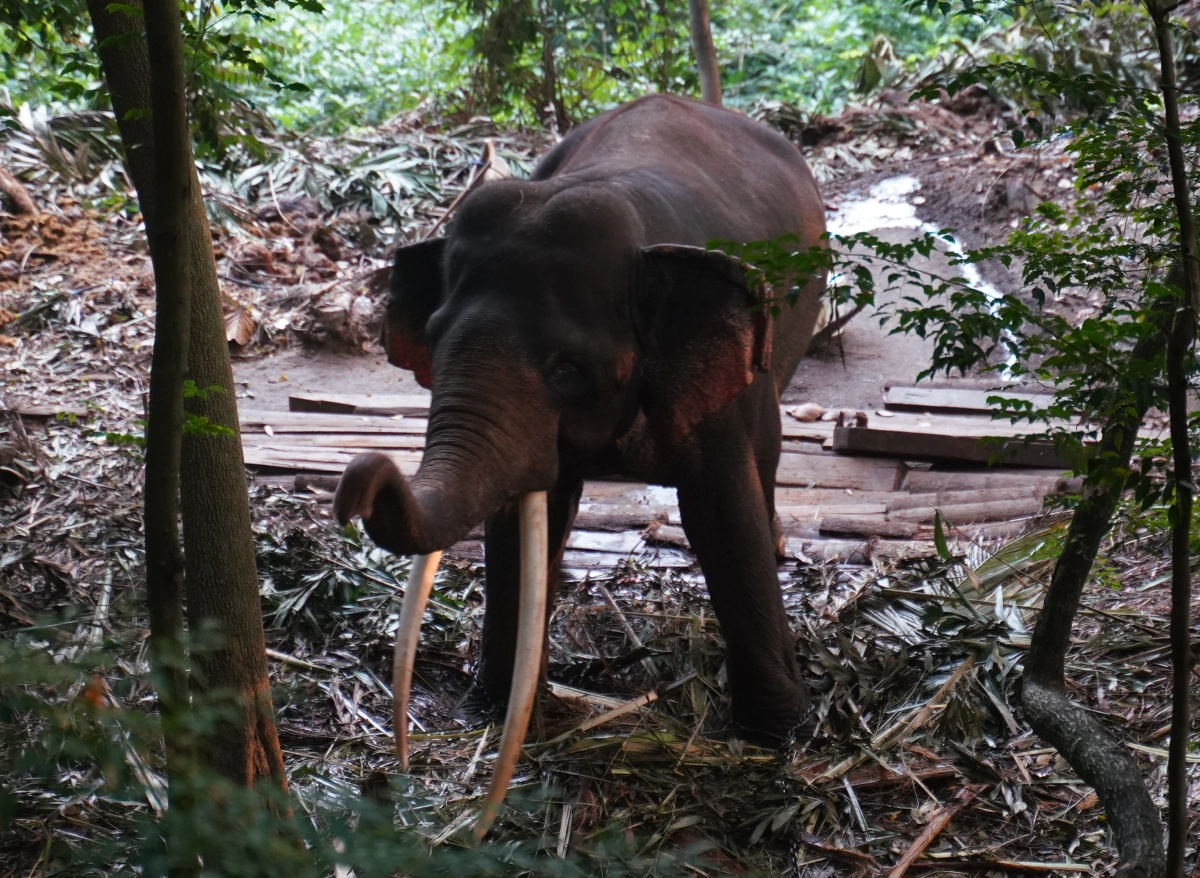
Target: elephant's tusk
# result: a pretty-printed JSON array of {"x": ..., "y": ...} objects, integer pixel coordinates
[
  {"x": 531, "y": 635},
  {"x": 408, "y": 633}
]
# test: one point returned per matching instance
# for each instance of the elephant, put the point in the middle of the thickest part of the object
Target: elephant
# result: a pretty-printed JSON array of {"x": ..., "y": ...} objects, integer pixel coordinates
[{"x": 575, "y": 326}]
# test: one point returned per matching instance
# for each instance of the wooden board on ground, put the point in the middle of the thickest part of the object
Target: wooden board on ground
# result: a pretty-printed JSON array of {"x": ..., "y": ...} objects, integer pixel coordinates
[
  {"x": 953, "y": 399},
  {"x": 832, "y": 471},
  {"x": 360, "y": 403},
  {"x": 256, "y": 421},
  {"x": 852, "y": 509},
  {"x": 980, "y": 478},
  {"x": 881, "y": 441}
]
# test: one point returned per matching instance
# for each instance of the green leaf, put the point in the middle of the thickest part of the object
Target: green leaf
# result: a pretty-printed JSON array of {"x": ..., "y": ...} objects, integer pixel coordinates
[{"x": 939, "y": 538}]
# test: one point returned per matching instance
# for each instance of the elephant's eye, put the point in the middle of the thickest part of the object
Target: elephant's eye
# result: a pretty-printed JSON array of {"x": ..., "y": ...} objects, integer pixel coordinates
[{"x": 569, "y": 380}]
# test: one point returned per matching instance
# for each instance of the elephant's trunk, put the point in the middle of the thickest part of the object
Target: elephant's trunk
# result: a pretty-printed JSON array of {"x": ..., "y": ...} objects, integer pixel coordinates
[{"x": 475, "y": 460}]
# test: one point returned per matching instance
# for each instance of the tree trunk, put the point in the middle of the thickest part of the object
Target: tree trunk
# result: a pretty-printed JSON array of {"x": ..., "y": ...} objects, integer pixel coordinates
[
  {"x": 164, "y": 429},
  {"x": 1179, "y": 359},
  {"x": 551, "y": 95},
  {"x": 222, "y": 579},
  {"x": 705, "y": 52},
  {"x": 1101, "y": 760}
]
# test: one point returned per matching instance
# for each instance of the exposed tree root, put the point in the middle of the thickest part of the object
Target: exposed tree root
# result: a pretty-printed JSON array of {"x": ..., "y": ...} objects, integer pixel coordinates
[{"x": 1106, "y": 764}]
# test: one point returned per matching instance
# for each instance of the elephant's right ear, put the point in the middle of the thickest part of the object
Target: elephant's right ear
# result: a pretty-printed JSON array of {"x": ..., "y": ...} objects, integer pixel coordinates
[
  {"x": 415, "y": 293},
  {"x": 705, "y": 326}
]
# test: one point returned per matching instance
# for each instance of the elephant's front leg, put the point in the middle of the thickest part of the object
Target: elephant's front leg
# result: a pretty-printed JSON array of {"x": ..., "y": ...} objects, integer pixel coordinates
[
  {"x": 726, "y": 518},
  {"x": 502, "y": 560}
]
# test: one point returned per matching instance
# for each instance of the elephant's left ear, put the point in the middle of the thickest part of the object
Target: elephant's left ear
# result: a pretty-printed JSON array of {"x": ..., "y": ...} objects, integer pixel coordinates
[
  {"x": 415, "y": 293},
  {"x": 705, "y": 325}
]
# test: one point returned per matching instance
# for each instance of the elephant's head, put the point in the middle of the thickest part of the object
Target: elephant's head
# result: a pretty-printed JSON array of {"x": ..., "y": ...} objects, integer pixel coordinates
[{"x": 545, "y": 330}]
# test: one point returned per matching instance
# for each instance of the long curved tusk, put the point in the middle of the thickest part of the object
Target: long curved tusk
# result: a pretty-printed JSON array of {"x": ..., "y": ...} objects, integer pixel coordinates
[
  {"x": 531, "y": 636},
  {"x": 408, "y": 633}
]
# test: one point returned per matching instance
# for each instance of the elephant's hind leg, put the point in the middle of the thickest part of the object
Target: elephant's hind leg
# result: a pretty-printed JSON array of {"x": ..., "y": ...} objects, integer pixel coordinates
[{"x": 502, "y": 562}]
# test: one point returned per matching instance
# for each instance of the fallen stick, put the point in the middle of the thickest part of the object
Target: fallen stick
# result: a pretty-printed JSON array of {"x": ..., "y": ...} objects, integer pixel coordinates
[{"x": 932, "y": 830}]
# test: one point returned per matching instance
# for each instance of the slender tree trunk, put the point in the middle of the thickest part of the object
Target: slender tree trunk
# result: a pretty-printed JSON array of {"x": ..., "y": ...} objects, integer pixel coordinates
[
  {"x": 1179, "y": 353},
  {"x": 705, "y": 52},
  {"x": 222, "y": 579},
  {"x": 1102, "y": 761},
  {"x": 551, "y": 93},
  {"x": 164, "y": 429}
]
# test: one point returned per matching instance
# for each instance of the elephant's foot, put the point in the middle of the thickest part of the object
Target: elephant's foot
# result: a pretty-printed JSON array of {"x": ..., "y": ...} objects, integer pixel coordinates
[
  {"x": 774, "y": 722},
  {"x": 480, "y": 707}
]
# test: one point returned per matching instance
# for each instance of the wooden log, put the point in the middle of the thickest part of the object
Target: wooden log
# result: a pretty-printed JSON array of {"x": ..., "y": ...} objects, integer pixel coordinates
[
  {"x": 903, "y": 500},
  {"x": 816, "y": 511},
  {"x": 51, "y": 410},
  {"x": 954, "y": 399},
  {"x": 867, "y": 526},
  {"x": 324, "y": 484},
  {"x": 969, "y": 513},
  {"x": 620, "y": 518},
  {"x": 667, "y": 535}
]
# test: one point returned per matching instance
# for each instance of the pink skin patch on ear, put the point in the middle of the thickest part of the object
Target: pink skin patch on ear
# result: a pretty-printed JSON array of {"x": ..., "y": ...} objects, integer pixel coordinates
[
  {"x": 403, "y": 352},
  {"x": 623, "y": 367}
]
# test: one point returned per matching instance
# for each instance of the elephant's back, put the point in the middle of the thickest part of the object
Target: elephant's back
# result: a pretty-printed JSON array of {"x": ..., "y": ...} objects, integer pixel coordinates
[{"x": 697, "y": 173}]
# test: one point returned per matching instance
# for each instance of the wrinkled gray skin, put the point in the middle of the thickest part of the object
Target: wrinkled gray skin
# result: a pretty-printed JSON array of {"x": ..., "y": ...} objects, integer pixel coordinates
[{"x": 564, "y": 341}]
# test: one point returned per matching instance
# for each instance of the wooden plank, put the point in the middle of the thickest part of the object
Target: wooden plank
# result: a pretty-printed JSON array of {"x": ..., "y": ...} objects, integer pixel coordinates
[
  {"x": 922, "y": 481},
  {"x": 254, "y": 420},
  {"x": 654, "y": 558},
  {"x": 312, "y": 461},
  {"x": 903, "y": 500},
  {"x": 597, "y": 541},
  {"x": 884, "y": 442},
  {"x": 967, "y": 426},
  {"x": 817, "y": 431},
  {"x": 798, "y": 513},
  {"x": 830, "y": 471},
  {"x": 954, "y": 399},
  {"x": 786, "y": 496},
  {"x": 350, "y": 441},
  {"x": 361, "y": 403}
]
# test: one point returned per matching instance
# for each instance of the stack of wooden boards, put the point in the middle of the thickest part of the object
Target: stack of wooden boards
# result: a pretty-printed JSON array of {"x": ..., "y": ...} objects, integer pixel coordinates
[{"x": 864, "y": 486}]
